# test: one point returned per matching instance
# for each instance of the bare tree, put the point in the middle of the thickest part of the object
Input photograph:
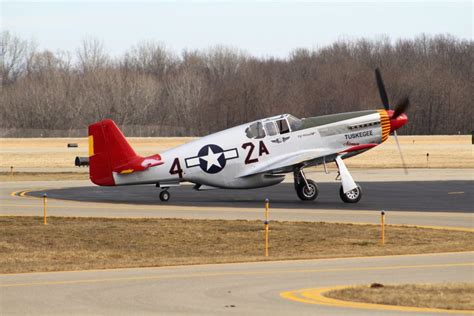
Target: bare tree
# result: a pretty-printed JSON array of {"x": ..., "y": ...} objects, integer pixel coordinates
[
  {"x": 91, "y": 55},
  {"x": 149, "y": 57},
  {"x": 13, "y": 52},
  {"x": 156, "y": 92}
]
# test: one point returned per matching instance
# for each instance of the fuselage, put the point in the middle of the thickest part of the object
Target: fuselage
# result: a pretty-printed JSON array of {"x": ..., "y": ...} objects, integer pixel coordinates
[{"x": 226, "y": 159}]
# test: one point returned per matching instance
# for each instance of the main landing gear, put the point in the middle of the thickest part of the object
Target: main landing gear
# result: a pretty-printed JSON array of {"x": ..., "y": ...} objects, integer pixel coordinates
[
  {"x": 350, "y": 192},
  {"x": 307, "y": 190},
  {"x": 352, "y": 196}
]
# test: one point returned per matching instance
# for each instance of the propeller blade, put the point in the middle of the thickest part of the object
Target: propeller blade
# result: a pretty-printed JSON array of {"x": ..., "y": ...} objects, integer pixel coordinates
[
  {"x": 382, "y": 91},
  {"x": 401, "y": 107},
  {"x": 400, "y": 151}
]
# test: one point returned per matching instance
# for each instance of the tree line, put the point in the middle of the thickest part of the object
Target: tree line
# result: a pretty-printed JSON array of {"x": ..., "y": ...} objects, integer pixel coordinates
[{"x": 152, "y": 91}]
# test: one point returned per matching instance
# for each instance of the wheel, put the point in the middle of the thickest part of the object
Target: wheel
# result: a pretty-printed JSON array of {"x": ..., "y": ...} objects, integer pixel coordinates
[
  {"x": 352, "y": 196},
  {"x": 307, "y": 193},
  {"x": 165, "y": 196}
]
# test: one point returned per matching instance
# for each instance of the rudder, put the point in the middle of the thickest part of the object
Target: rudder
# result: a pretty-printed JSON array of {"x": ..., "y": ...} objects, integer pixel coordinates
[{"x": 108, "y": 149}]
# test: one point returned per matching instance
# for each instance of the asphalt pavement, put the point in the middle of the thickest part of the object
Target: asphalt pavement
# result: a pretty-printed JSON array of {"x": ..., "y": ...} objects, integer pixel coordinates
[
  {"x": 430, "y": 196},
  {"x": 276, "y": 288},
  {"x": 434, "y": 203},
  {"x": 239, "y": 289}
]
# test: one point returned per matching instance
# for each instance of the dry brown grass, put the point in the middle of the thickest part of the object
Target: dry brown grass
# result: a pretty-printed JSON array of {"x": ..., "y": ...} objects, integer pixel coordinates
[
  {"x": 53, "y": 152},
  {"x": 445, "y": 151},
  {"x": 43, "y": 176},
  {"x": 458, "y": 296},
  {"x": 87, "y": 243}
]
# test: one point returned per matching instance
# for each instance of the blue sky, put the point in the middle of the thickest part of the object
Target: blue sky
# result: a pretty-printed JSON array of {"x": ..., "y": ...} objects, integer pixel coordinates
[{"x": 261, "y": 28}]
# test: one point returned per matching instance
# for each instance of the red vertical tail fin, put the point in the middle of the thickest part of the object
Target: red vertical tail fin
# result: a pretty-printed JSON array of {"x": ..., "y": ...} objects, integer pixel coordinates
[
  {"x": 110, "y": 153},
  {"x": 108, "y": 149}
]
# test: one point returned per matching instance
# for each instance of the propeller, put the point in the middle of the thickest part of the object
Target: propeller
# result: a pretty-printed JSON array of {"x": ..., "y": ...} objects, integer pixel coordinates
[
  {"x": 400, "y": 108},
  {"x": 382, "y": 91},
  {"x": 405, "y": 169}
]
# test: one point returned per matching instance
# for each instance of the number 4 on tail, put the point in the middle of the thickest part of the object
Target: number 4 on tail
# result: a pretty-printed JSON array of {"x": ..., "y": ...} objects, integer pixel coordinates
[{"x": 176, "y": 168}]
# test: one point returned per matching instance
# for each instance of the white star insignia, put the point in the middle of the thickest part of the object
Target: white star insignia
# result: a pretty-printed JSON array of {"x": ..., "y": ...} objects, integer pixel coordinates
[{"x": 212, "y": 159}]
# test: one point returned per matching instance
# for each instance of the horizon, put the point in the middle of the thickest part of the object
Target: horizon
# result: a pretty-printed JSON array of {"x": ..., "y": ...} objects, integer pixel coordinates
[
  {"x": 271, "y": 29},
  {"x": 73, "y": 53}
]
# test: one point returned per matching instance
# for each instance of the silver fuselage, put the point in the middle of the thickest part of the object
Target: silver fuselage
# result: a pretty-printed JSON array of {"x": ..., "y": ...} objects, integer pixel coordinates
[{"x": 230, "y": 159}]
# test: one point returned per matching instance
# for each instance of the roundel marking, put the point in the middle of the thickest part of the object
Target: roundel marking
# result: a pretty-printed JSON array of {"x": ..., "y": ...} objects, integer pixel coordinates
[{"x": 211, "y": 158}]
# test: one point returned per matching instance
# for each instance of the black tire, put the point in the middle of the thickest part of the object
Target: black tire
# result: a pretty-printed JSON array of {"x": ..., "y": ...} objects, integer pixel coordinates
[
  {"x": 307, "y": 195},
  {"x": 353, "y": 196},
  {"x": 165, "y": 196}
]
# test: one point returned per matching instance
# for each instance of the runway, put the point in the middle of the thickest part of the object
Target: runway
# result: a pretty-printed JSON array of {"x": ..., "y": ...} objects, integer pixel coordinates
[
  {"x": 434, "y": 203},
  {"x": 243, "y": 288},
  {"x": 432, "y": 196}
]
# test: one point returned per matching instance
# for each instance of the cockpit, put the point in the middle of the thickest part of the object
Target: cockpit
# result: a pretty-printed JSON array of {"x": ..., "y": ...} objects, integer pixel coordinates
[{"x": 277, "y": 125}]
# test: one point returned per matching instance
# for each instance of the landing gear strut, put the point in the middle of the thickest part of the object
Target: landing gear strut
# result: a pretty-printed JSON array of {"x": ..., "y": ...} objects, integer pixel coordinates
[
  {"x": 350, "y": 191},
  {"x": 165, "y": 195},
  {"x": 307, "y": 190}
]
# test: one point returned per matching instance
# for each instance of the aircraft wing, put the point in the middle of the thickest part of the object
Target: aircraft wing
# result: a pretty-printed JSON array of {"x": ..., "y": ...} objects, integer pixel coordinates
[{"x": 289, "y": 159}]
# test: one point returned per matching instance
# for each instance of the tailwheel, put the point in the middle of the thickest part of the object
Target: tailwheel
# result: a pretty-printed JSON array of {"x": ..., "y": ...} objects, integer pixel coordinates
[
  {"x": 307, "y": 191},
  {"x": 352, "y": 196},
  {"x": 165, "y": 196}
]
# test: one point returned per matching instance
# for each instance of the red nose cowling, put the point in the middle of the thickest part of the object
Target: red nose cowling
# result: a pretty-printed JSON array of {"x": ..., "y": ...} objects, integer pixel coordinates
[{"x": 395, "y": 124}]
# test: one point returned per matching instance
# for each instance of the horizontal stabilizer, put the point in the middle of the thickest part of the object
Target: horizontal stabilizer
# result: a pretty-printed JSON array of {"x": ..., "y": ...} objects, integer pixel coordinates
[{"x": 139, "y": 164}]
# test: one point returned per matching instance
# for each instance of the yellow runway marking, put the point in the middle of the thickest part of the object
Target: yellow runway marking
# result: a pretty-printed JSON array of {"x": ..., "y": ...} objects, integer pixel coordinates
[
  {"x": 119, "y": 205},
  {"x": 86, "y": 205},
  {"x": 316, "y": 296},
  {"x": 92, "y": 205},
  {"x": 23, "y": 193},
  {"x": 243, "y": 263},
  {"x": 218, "y": 274},
  {"x": 460, "y": 192}
]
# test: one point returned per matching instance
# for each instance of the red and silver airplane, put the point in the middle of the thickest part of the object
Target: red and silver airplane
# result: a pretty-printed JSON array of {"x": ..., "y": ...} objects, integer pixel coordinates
[{"x": 251, "y": 155}]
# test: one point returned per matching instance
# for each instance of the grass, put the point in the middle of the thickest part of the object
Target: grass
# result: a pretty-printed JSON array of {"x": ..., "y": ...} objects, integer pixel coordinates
[
  {"x": 444, "y": 152},
  {"x": 27, "y": 245},
  {"x": 459, "y": 296},
  {"x": 44, "y": 176}
]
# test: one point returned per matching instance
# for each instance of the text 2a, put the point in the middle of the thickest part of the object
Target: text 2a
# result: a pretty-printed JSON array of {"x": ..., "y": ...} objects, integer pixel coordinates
[{"x": 262, "y": 150}]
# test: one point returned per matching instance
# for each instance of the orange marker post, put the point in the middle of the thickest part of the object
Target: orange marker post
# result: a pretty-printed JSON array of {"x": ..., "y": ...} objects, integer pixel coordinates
[
  {"x": 45, "y": 204},
  {"x": 267, "y": 204},
  {"x": 383, "y": 227}
]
